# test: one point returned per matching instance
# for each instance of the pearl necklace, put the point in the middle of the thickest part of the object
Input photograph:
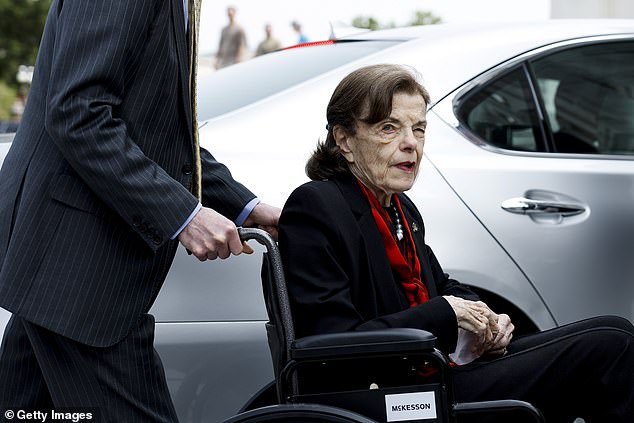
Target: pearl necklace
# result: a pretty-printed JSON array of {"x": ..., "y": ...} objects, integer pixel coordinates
[{"x": 397, "y": 223}]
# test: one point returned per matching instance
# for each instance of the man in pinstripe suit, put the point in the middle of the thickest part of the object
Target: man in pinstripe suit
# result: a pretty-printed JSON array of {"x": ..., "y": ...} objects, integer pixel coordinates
[{"x": 95, "y": 194}]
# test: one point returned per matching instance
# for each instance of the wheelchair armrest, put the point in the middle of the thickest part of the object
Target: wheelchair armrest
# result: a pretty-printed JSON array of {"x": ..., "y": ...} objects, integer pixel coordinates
[
  {"x": 384, "y": 341},
  {"x": 518, "y": 410}
]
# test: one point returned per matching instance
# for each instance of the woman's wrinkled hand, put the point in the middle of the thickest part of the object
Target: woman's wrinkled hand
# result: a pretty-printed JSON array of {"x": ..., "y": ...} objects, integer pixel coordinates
[
  {"x": 503, "y": 337},
  {"x": 476, "y": 317}
]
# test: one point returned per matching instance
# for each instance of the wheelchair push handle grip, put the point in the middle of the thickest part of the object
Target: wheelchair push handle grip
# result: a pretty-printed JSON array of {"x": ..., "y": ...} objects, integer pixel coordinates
[
  {"x": 274, "y": 260},
  {"x": 259, "y": 235},
  {"x": 273, "y": 253}
]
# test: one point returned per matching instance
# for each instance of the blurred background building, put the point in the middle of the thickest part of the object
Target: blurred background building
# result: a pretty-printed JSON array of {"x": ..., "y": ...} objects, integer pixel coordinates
[{"x": 591, "y": 9}]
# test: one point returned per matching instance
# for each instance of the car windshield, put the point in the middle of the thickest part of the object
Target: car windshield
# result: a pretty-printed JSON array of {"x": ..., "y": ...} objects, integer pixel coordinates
[{"x": 239, "y": 85}]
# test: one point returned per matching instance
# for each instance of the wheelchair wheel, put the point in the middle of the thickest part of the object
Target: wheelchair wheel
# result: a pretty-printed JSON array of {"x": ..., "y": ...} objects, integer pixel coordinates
[{"x": 299, "y": 413}]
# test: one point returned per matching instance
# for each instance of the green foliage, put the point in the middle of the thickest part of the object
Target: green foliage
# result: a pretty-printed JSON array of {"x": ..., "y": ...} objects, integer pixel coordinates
[
  {"x": 7, "y": 96},
  {"x": 420, "y": 17},
  {"x": 21, "y": 26},
  {"x": 367, "y": 22}
]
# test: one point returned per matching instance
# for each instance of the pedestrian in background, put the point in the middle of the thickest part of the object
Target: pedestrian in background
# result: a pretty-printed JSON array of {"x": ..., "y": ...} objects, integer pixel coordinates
[
  {"x": 270, "y": 43},
  {"x": 301, "y": 37},
  {"x": 233, "y": 42}
]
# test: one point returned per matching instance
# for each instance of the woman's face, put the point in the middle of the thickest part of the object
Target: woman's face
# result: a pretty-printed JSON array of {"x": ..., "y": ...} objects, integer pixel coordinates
[{"x": 385, "y": 156}]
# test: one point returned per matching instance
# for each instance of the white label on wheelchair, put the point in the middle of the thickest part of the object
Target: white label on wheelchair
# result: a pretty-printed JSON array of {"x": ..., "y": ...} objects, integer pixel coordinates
[{"x": 412, "y": 406}]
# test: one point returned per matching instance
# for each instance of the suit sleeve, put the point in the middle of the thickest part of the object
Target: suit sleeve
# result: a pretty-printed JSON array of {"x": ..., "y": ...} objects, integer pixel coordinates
[
  {"x": 220, "y": 191},
  {"x": 97, "y": 43},
  {"x": 317, "y": 258}
]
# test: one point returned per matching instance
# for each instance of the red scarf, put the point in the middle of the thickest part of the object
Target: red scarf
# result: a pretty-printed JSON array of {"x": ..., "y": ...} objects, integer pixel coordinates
[{"x": 404, "y": 263}]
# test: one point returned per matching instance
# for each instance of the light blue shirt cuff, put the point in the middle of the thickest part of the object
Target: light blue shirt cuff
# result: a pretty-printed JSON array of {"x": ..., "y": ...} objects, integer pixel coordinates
[
  {"x": 246, "y": 211},
  {"x": 189, "y": 219}
]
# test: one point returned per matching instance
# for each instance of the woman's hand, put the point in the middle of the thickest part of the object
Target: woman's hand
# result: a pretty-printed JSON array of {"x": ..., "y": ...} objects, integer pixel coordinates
[
  {"x": 477, "y": 318},
  {"x": 503, "y": 337}
]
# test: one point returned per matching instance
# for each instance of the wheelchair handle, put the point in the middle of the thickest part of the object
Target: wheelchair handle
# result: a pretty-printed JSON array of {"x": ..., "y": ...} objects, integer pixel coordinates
[
  {"x": 277, "y": 271},
  {"x": 259, "y": 235}
]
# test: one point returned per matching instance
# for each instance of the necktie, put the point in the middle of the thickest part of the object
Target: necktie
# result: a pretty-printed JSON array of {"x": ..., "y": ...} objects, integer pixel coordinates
[{"x": 194, "y": 22}]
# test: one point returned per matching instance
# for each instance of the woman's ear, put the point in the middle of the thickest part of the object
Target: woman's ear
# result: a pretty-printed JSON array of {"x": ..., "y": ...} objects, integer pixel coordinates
[{"x": 343, "y": 142}]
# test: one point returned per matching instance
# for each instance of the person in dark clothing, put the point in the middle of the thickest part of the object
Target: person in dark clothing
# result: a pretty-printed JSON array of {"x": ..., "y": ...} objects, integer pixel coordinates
[{"x": 355, "y": 258}]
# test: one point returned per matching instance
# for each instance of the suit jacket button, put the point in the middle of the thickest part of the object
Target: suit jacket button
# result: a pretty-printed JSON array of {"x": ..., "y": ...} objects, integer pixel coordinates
[
  {"x": 157, "y": 240},
  {"x": 187, "y": 169}
]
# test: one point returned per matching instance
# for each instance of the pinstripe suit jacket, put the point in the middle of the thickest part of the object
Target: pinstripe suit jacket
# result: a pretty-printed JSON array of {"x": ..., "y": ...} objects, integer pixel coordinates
[{"x": 96, "y": 181}]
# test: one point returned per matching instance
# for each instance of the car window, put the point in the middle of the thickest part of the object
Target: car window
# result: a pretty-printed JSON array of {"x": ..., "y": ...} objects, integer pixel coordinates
[
  {"x": 239, "y": 85},
  {"x": 588, "y": 94},
  {"x": 503, "y": 114}
]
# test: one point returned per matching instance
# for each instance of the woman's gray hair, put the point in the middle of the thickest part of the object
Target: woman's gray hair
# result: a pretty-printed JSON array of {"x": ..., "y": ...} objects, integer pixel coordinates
[{"x": 368, "y": 90}]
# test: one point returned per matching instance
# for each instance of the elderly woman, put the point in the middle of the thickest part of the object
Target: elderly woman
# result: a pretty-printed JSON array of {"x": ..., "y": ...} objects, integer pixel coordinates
[{"x": 355, "y": 259}]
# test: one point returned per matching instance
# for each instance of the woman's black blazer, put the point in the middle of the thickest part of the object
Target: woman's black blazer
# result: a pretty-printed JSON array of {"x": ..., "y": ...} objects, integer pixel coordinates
[{"x": 338, "y": 275}]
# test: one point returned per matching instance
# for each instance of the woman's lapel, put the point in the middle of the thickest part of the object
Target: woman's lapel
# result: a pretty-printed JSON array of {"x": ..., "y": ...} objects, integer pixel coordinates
[
  {"x": 417, "y": 227},
  {"x": 380, "y": 267}
]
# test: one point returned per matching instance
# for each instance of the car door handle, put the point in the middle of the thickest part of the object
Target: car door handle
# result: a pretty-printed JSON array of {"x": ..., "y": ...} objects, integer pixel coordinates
[{"x": 523, "y": 205}]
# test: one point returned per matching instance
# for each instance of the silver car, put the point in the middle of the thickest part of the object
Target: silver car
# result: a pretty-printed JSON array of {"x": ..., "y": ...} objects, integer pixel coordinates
[{"x": 527, "y": 184}]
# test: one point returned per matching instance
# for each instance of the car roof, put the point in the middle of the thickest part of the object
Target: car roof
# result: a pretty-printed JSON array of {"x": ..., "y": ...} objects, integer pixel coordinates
[
  {"x": 553, "y": 29},
  {"x": 448, "y": 55}
]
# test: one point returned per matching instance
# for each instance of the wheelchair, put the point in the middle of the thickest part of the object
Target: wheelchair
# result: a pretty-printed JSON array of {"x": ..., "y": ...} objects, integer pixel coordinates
[{"x": 389, "y": 375}]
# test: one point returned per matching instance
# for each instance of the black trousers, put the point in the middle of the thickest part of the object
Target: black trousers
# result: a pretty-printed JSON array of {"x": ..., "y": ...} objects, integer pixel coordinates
[
  {"x": 43, "y": 371},
  {"x": 584, "y": 369}
]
